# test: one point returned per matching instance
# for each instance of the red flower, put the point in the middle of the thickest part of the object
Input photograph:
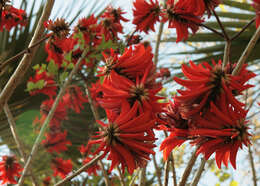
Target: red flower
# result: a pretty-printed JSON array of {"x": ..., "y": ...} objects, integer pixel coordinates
[
  {"x": 256, "y": 5},
  {"x": 146, "y": 15},
  {"x": 138, "y": 91},
  {"x": 181, "y": 18},
  {"x": 9, "y": 169},
  {"x": 126, "y": 138},
  {"x": 131, "y": 63},
  {"x": 221, "y": 131},
  {"x": 163, "y": 73},
  {"x": 11, "y": 17},
  {"x": 47, "y": 181},
  {"x": 74, "y": 98},
  {"x": 110, "y": 29},
  {"x": 90, "y": 29},
  {"x": 60, "y": 113},
  {"x": 93, "y": 169},
  {"x": 114, "y": 14},
  {"x": 49, "y": 88},
  {"x": 59, "y": 28},
  {"x": 56, "y": 142},
  {"x": 61, "y": 167},
  {"x": 198, "y": 7},
  {"x": 206, "y": 84}
]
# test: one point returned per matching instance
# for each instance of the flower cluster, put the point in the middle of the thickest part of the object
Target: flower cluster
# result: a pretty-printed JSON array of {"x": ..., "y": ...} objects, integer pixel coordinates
[
  {"x": 11, "y": 16},
  {"x": 9, "y": 170},
  {"x": 181, "y": 15},
  {"x": 208, "y": 113},
  {"x": 129, "y": 96}
]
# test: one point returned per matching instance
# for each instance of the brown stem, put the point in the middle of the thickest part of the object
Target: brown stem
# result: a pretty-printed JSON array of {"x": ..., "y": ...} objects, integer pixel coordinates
[
  {"x": 158, "y": 171},
  {"x": 121, "y": 177},
  {"x": 197, "y": 177},
  {"x": 79, "y": 171},
  {"x": 158, "y": 40},
  {"x": 243, "y": 29},
  {"x": 104, "y": 172},
  {"x": 221, "y": 25},
  {"x": 226, "y": 54},
  {"x": 247, "y": 51},
  {"x": 166, "y": 172},
  {"x": 134, "y": 178},
  {"x": 142, "y": 177},
  {"x": 211, "y": 29},
  {"x": 25, "y": 51},
  {"x": 27, "y": 58},
  {"x": 250, "y": 153},
  {"x": 173, "y": 170},
  {"x": 187, "y": 170},
  {"x": 17, "y": 140},
  {"x": 50, "y": 115}
]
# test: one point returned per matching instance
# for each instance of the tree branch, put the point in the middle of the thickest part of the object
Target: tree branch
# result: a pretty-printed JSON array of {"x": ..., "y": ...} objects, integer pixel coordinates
[
  {"x": 187, "y": 170},
  {"x": 247, "y": 51},
  {"x": 80, "y": 170},
  {"x": 17, "y": 140},
  {"x": 251, "y": 159},
  {"x": 27, "y": 58},
  {"x": 50, "y": 115},
  {"x": 173, "y": 170},
  {"x": 226, "y": 53},
  {"x": 158, "y": 171},
  {"x": 221, "y": 26},
  {"x": 142, "y": 177},
  {"x": 121, "y": 177},
  {"x": 243, "y": 29},
  {"x": 197, "y": 177},
  {"x": 166, "y": 172}
]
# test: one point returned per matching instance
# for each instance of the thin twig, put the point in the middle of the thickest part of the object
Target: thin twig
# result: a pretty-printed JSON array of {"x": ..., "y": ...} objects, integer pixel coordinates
[
  {"x": 158, "y": 171},
  {"x": 251, "y": 159},
  {"x": 142, "y": 177},
  {"x": 243, "y": 29},
  {"x": 173, "y": 170},
  {"x": 17, "y": 140},
  {"x": 134, "y": 178},
  {"x": 96, "y": 116},
  {"x": 50, "y": 115},
  {"x": 80, "y": 170},
  {"x": 121, "y": 177},
  {"x": 197, "y": 177},
  {"x": 158, "y": 40},
  {"x": 187, "y": 170},
  {"x": 27, "y": 58},
  {"x": 226, "y": 54},
  {"x": 25, "y": 51},
  {"x": 166, "y": 172},
  {"x": 247, "y": 51},
  {"x": 221, "y": 25},
  {"x": 211, "y": 29}
]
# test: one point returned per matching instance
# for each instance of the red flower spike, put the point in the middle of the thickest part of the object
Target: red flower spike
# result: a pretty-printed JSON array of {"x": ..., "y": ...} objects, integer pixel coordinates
[
  {"x": 181, "y": 18},
  {"x": 146, "y": 15},
  {"x": 90, "y": 29},
  {"x": 256, "y": 5},
  {"x": 49, "y": 87},
  {"x": 56, "y": 142},
  {"x": 206, "y": 84},
  {"x": 93, "y": 169},
  {"x": 61, "y": 167},
  {"x": 126, "y": 140},
  {"x": 12, "y": 17},
  {"x": 9, "y": 170},
  {"x": 47, "y": 181},
  {"x": 59, "y": 115},
  {"x": 59, "y": 28},
  {"x": 114, "y": 14},
  {"x": 74, "y": 98}
]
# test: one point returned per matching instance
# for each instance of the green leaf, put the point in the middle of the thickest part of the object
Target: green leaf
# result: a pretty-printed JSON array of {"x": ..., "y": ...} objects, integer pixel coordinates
[
  {"x": 63, "y": 76},
  {"x": 40, "y": 84},
  {"x": 52, "y": 68},
  {"x": 30, "y": 86},
  {"x": 25, "y": 128},
  {"x": 36, "y": 67},
  {"x": 242, "y": 6},
  {"x": 68, "y": 56}
]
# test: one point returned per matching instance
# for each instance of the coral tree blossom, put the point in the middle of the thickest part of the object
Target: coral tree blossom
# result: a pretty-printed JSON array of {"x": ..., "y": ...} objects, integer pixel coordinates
[
  {"x": 182, "y": 18},
  {"x": 61, "y": 167},
  {"x": 146, "y": 14},
  {"x": 125, "y": 138},
  {"x": 9, "y": 170}
]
